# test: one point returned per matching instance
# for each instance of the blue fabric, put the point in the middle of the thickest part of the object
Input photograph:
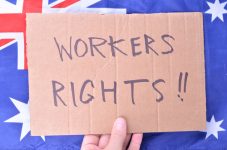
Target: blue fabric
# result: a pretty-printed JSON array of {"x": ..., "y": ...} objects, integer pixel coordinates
[
  {"x": 12, "y": 1},
  {"x": 14, "y": 83},
  {"x": 51, "y": 1}
]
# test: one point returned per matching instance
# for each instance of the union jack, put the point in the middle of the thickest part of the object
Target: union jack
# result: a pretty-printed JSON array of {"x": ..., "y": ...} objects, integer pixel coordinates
[
  {"x": 9, "y": 36},
  {"x": 61, "y": 6},
  {"x": 11, "y": 6}
]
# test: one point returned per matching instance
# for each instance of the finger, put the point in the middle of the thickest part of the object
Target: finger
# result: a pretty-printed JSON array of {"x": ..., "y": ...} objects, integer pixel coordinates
[
  {"x": 128, "y": 137},
  {"x": 135, "y": 142},
  {"x": 104, "y": 140},
  {"x": 90, "y": 147},
  {"x": 90, "y": 140},
  {"x": 118, "y": 135}
]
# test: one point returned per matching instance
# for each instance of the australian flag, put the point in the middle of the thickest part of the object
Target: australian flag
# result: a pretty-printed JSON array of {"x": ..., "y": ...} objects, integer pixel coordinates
[{"x": 14, "y": 100}]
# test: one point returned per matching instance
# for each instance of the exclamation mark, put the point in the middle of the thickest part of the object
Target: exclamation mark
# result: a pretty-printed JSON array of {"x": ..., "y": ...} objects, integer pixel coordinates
[{"x": 184, "y": 84}]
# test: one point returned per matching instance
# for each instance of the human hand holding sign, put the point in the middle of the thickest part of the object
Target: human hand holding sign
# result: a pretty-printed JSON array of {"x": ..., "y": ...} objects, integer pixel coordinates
[{"x": 118, "y": 140}]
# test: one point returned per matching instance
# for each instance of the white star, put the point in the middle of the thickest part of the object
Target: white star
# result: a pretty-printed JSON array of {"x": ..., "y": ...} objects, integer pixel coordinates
[
  {"x": 217, "y": 10},
  {"x": 22, "y": 117},
  {"x": 213, "y": 128}
]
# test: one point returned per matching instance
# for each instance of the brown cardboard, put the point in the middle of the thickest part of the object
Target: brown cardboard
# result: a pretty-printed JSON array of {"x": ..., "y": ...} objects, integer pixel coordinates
[{"x": 169, "y": 60}]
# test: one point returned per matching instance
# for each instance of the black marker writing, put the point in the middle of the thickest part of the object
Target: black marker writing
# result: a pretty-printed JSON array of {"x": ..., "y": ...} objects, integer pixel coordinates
[
  {"x": 161, "y": 97},
  {"x": 134, "y": 44},
  {"x": 62, "y": 48},
  {"x": 73, "y": 93},
  {"x": 77, "y": 48},
  {"x": 148, "y": 41},
  {"x": 90, "y": 97},
  {"x": 94, "y": 46},
  {"x": 114, "y": 48},
  {"x": 55, "y": 92},
  {"x": 132, "y": 82},
  {"x": 184, "y": 84},
  {"x": 165, "y": 38},
  {"x": 105, "y": 90},
  {"x": 63, "y": 94}
]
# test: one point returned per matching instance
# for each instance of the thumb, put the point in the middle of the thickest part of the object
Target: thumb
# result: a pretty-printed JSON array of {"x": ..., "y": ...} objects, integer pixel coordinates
[{"x": 118, "y": 135}]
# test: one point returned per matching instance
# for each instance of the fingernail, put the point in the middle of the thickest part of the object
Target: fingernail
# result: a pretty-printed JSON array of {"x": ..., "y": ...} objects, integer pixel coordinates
[{"x": 120, "y": 124}]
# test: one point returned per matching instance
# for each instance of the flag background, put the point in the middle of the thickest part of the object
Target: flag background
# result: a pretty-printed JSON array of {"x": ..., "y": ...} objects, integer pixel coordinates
[{"x": 14, "y": 132}]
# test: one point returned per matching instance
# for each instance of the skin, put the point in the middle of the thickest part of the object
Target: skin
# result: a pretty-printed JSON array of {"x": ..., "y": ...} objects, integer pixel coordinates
[{"x": 117, "y": 140}]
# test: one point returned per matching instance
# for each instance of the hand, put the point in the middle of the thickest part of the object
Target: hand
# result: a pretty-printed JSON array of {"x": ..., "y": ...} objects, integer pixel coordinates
[{"x": 118, "y": 140}]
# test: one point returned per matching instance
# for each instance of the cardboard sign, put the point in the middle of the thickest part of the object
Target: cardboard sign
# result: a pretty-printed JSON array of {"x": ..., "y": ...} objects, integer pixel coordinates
[{"x": 85, "y": 70}]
